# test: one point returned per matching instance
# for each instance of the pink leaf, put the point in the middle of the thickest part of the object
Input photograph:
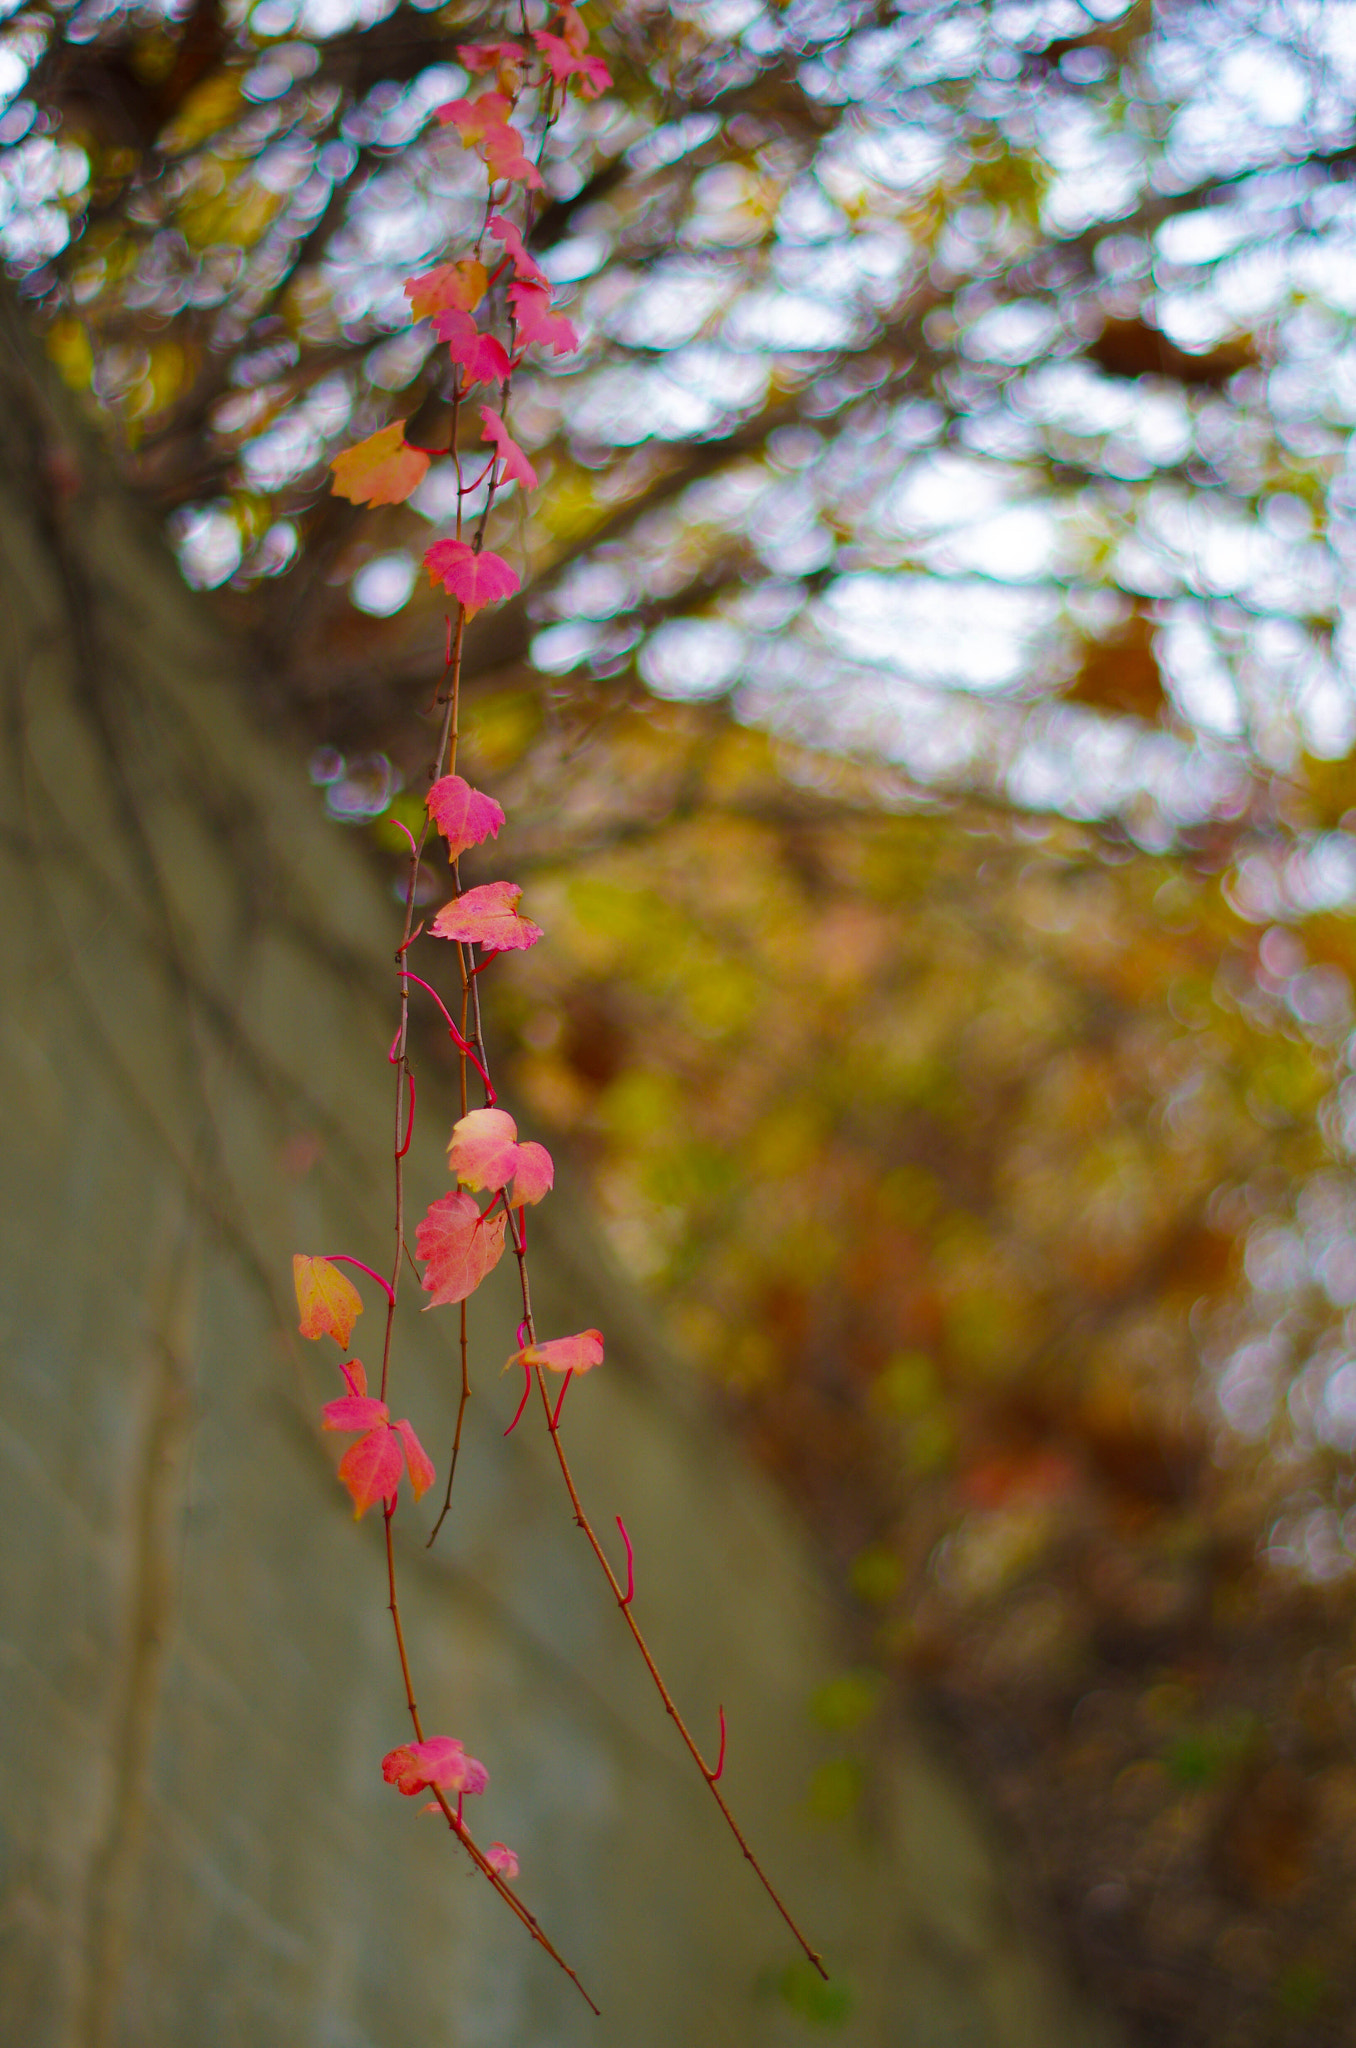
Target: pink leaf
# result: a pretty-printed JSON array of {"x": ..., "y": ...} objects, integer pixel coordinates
[
  {"x": 536, "y": 322},
  {"x": 535, "y": 1175},
  {"x": 502, "y": 1859},
  {"x": 380, "y": 470},
  {"x": 474, "y": 119},
  {"x": 502, "y": 149},
  {"x": 506, "y": 60},
  {"x": 475, "y": 580},
  {"x": 329, "y": 1302},
  {"x": 524, "y": 265},
  {"x": 562, "y": 62},
  {"x": 487, "y": 917},
  {"x": 370, "y": 1469},
  {"x": 579, "y": 1353},
  {"x": 355, "y": 1412},
  {"x": 484, "y": 359},
  {"x": 573, "y": 31},
  {"x": 516, "y": 467},
  {"x": 417, "y": 1460},
  {"x": 451, "y": 287},
  {"x": 484, "y": 1149},
  {"x": 462, "y": 814},
  {"x": 459, "y": 1247},
  {"x": 354, "y": 1376},
  {"x": 418, "y": 1766}
]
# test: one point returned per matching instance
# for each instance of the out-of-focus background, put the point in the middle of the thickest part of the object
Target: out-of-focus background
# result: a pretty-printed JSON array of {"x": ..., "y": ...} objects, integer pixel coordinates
[{"x": 926, "y": 728}]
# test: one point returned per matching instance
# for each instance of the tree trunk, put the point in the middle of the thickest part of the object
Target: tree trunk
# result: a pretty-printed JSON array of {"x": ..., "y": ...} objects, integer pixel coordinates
[{"x": 196, "y": 1665}]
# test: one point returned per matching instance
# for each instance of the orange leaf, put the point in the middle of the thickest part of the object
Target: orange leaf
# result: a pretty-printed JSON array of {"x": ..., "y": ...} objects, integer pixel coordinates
[
  {"x": 330, "y": 1305},
  {"x": 380, "y": 470}
]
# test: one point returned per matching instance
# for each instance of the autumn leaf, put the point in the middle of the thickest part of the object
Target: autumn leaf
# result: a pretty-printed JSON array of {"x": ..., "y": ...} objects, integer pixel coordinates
[
  {"x": 463, "y": 815},
  {"x": 524, "y": 266},
  {"x": 535, "y": 1175},
  {"x": 330, "y": 1305},
  {"x": 371, "y": 1468},
  {"x": 502, "y": 149},
  {"x": 457, "y": 287},
  {"x": 418, "y": 1463},
  {"x": 501, "y": 1858},
  {"x": 537, "y": 323},
  {"x": 474, "y": 579},
  {"x": 380, "y": 470},
  {"x": 355, "y": 1411},
  {"x": 563, "y": 63},
  {"x": 483, "y": 1153},
  {"x": 579, "y": 1353},
  {"x": 473, "y": 119},
  {"x": 441, "y": 1760},
  {"x": 516, "y": 467},
  {"x": 506, "y": 60},
  {"x": 459, "y": 1247},
  {"x": 487, "y": 917},
  {"x": 482, "y": 357}
]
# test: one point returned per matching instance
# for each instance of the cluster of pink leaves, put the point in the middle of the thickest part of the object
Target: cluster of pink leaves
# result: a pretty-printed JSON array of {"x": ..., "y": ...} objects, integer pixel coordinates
[{"x": 385, "y": 469}]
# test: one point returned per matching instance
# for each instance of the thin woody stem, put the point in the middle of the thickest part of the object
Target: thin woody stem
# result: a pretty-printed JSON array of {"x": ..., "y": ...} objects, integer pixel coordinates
[
  {"x": 665, "y": 1695},
  {"x": 477, "y": 1855}
]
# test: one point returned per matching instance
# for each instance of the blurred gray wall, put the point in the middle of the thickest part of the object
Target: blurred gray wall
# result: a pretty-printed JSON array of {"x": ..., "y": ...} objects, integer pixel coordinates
[{"x": 197, "y": 1681}]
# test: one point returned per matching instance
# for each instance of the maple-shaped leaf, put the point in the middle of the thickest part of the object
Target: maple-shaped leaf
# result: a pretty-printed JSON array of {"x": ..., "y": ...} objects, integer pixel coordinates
[
  {"x": 536, "y": 322},
  {"x": 474, "y": 579},
  {"x": 502, "y": 149},
  {"x": 515, "y": 466},
  {"x": 534, "y": 1175},
  {"x": 330, "y": 1305},
  {"x": 441, "y": 1760},
  {"x": 579, "y": 1353},
  {"x": 463, "y": 815},
  {"x": 459, "y": 1247},
  {"x": 482, "y": 357},
  {"x": 563, "y": 63},
  {"x": 458, "y": 287},
  {"x": 483, "y": 1153},
  {"x": 473, "y": 119},
  {"x": 380, "y": 470},
  {"x": 501, "y": 1858},
  {"x": 355, "y": 1411},
  {"x": 418, "y": 1463},
  {"x": 506, "y": 60},
  {"x": 524, "y": 266},
  {"x": 488, "y": 917},
  {"x": 572, "y": 30},
  {"x": 371, "y": 1468}
]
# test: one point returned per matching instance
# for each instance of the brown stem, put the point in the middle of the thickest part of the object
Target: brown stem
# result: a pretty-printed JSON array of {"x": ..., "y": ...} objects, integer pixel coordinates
[
  {"x": 477, "y": 1855},
  {"x": 665, "y": 1695}
]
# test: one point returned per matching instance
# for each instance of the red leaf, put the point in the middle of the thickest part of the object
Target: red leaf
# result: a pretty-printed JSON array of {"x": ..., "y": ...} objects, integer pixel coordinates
[
  {"x": 536, "y": 322},
  {"x": 330, "y": 1305},
  {"x": 484, "y": 1149},
  {"x": 355, "y": 1412},
  {"x": 459, "y": 1247},
  {"x": 579, "y": 1353},
  {"x": 484, "y": 359},
  {"x": 535, "y": 1175},
  {"x": 354, "y": 1376},
  {"x": 524, "y": 265},
  {"x": 563, "y": 62},
  {"x": 458, "y": 287},
  {"x": 487, "y": 917},
  {"x": 503, "y": 1860},
  {"x": 417, "y": 1766},
  {"x": 473, "y": 119},
  {"x": 516, "y": 466},
  {"x": 502, "y": 149},
  {"x": 417, "y": 1460},
  {"x": 475, "y": 580},
  {"x": 370, "y": 1469},
  {"x": 462, "y": 814},
  {"x": 380, "y": 470},
  {"x": 506, "y": 60},
  {"x": 573, "y": 32}
]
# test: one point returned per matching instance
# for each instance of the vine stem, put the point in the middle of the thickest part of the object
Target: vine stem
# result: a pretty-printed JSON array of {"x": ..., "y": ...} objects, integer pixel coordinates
[{"x": 451, "y": 1814}]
